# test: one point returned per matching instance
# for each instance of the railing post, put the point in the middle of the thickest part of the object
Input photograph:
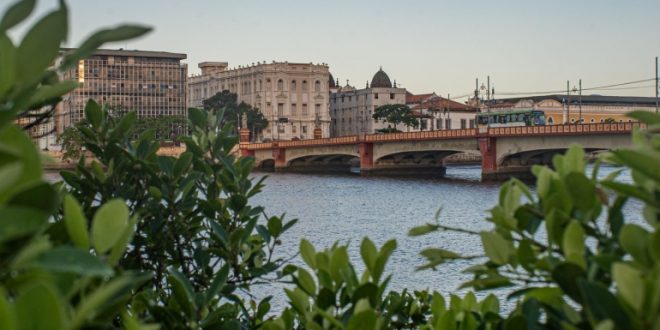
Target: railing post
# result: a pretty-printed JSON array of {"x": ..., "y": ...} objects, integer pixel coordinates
[{"x": 366, "y": 155}]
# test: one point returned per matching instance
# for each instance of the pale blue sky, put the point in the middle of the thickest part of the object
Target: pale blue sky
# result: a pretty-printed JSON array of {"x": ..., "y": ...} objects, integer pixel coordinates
[{"x": 441, "y": 46}]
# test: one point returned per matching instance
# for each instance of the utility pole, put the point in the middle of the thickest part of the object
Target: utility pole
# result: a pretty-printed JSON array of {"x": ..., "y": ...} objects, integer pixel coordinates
[
  {"x": 580, "y": 102},
  {"x": 657, "y": 88},
  {"x": 568, "y": 102}
]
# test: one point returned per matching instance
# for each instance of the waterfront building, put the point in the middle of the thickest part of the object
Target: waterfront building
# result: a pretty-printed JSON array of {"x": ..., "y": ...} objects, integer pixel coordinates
[
  {"x": 351, "y": 109},
  {"x": 587, "y": 109},
  {"x": 438, "y": 113},
  {"x": 150, "y": 83},
  {"x": 293, "y": 97}
]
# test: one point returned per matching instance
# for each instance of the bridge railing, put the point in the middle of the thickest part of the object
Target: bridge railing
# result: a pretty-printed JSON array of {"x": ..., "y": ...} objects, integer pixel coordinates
[
  {"x": 353, "y": 139},
  {"x": 423, "y": 135},
  {"x": 564, "y": 129}
]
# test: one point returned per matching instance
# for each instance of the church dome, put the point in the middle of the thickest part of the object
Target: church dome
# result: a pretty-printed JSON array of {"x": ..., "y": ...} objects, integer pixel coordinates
[
  {"x": 381, "y": 79},
  {"x": 331, "y": 82}
]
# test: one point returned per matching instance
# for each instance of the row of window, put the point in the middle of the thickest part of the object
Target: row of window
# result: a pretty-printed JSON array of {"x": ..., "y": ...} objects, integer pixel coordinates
[
  {"x": 350, "y": 97},
  {"x": 294, "y": 109}
]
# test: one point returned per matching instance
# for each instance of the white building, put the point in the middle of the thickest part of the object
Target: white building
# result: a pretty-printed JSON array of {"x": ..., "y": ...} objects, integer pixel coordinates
[
  {"x": 292, "y": 96},
  {"x": 439, "y": 113},
  {"x": 351, "y": 109}
]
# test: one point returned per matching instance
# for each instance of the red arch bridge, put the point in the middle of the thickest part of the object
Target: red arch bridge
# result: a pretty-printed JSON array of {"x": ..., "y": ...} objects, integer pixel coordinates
[{"x": 504, "y": 151}]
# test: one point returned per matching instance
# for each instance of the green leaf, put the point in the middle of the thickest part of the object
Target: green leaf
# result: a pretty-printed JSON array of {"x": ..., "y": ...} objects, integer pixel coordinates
[
  {"x": 76, "y": 223},
  {"x": 17, "y": 222},
  {"x": 645, "y": 117},
  {"x": 602, "y": 305},
  {"x": 7, "y": 72},
  {"x": 117, "y": 251},
  {"x": 274, "y": 223},
  {"x": 95, "y": 301},
  {"x": 218, "y": 283},
  {"x": 573, "y": 160},
  {"x": 630, "y": 284},
  {"x": 67, "y": 259},
  {"x": 96, "y": 40},
  {"x": 93, "y": 113},
  {"x": 109, "y": 224},
  {"x": 496, "y": 247},
  {"x": 17, "y": 147},
  {"x": 47, "y": 93},
  {"x": 308, "y": 253},
  {"x": 305, "y": 281},
  {"x": 299, "y": 300},
  {"x": 566, "y": 275},
  {"x": 17, "y": 13},
  {"x": 7, "y": 313},
  {"x": 422, "y": 230},
  {"x": 40, "y": 46},
  {"x": 40, "y": 195},
  {"x": 39, "y": 307},
  {"x": 574, "y": 244},
  {"x": 364, "y": 320},
  {"x": 581, "y": 190},
  {"x": 635, "y": 240},
  {"x": 383, "y": 257},
  {"x": 183, "y": 292},
  {"x": 437, "y": 256},
  {"x": 369, "y": 254},
  {"x": 645, "y": 163}
]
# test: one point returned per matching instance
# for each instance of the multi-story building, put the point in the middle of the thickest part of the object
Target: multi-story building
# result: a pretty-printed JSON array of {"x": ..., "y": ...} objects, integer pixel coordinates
[
  {"x": 150, "y": 83},
  {"x": 439, "y": 113},
  {"x": 351, "y": 109},
  {"x": 293, "y": 97},
  {"x": 561, "y": 109}
]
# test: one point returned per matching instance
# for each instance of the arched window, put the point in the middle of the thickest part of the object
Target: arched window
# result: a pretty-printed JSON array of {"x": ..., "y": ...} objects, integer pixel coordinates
[
  {"x": 304, "y": 85},
  {"x": 551, "y": 121},
  {"x": 317, "y": 86},
  {"x": 280, "y": 85},
  {"x": 268, "y": 84},
  {"x": 293, "y": 85},
  {"x": 592, "y": 120}
]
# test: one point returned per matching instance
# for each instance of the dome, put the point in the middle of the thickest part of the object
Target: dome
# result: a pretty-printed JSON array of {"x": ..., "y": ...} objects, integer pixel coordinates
[
  {"x": 381, "y": 79},
  {"x": 331, "y": 82}
]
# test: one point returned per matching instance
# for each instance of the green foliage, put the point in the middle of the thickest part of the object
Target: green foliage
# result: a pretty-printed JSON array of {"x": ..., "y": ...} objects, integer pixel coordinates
[
  {"x": 572, "y": 257},
  {"x": 396, "y": 114},
  {"x": 196, "y": 232},
  {"x": 233, "y": 111}
]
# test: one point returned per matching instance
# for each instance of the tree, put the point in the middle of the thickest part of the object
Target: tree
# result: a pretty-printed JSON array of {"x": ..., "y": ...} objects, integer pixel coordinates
[
  {"x": 396, "y": 114},
  {"x": 233, "y": 111}
]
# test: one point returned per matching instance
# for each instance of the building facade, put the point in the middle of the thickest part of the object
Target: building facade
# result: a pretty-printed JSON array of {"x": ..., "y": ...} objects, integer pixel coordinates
[
  {"x": 438, "y": 113},
  {"x": 150, "y": 83},
  {"x": 587, "y": 109},
  {"x": 293, "y": 97},
  {"x": 351, "y": 109}
]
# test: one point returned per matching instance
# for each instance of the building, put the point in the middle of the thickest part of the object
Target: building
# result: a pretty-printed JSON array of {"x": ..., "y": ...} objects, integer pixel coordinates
[
  {"x": 150, "y": 83},
  {"x": 561, "y": 109},
  {"x": 292, "y": 96},
  {"x": 351, "y": 109},
  {"x": 439, "y": 113}
]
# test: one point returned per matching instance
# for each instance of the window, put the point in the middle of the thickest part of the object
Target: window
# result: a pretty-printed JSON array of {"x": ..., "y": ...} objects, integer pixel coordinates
[
  {"x": 293, "y": 108},
  {"x": 448, "y": 123},
  {"x": 304, "y": 109},
  {"x": 463, "y": 123},
  {"x": 471, "y": 123},
  {"x": 423, "y": 124},
  {"x": 376, "y": 96},
  {"x": 304, "y": 129},
  {"x": 280, "y": 109},
  {"x": 391, "y": 96},
  {"x": 293, "y": 85},
  {"x": 317, "y": 86},
  {"x": 551, "y": 121},
  {"x": 438, "y": 124},
  {"x": 304, "y": 85},
  {"x": 317, "y": 109},
  {"x": 280, "y": 85},
  {"x": 293, "y": 129},
  {"x": 281, "y": 128}
]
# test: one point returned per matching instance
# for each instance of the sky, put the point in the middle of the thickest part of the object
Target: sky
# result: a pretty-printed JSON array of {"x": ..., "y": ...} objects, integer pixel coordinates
[{"x": 439, "y": 46}]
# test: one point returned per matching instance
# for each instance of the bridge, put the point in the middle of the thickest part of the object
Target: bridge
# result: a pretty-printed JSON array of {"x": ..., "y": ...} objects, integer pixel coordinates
[{"x": 504, "y": 151}]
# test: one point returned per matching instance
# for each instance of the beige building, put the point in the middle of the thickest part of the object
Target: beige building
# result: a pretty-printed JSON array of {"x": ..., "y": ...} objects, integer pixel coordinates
[
  {"x": 149, "y": 83},
  {"x": 439, "y": 113},
  {"x": 352, "y": 109},
  {"x": 587, "y": 109},
  {"x": 292, "y": 96}
]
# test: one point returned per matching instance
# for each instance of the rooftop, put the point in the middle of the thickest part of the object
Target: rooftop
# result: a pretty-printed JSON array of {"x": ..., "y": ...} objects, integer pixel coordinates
[{"x": 134, "y": 52}]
